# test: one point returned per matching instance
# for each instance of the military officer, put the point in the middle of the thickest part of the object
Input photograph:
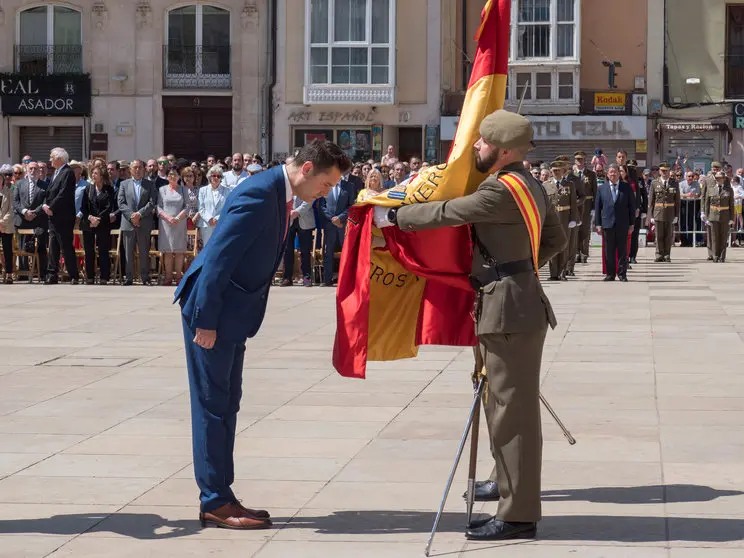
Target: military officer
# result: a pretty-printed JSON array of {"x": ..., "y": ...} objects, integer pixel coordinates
[
  {"x": 664, "y": 205},
  {"x": 718, "y": 214},
  {"x": 573, "y": 236},
  {"x": 706, "y": 181},
  {"x": 513, "y": 314},
  {"x": 562, "y": 193},
  {"x": 588, "y": 179}
]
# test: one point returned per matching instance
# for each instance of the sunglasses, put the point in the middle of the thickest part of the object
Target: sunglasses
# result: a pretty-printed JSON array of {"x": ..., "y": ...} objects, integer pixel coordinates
[
  {"x": 163, "y": 162},
  {"x": 214, "y": 176},
  {"x": 26, "y": 161}
]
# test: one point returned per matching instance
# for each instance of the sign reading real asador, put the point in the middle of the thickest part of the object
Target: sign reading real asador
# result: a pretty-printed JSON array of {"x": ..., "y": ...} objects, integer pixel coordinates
[{"x": 52, "y": 95}]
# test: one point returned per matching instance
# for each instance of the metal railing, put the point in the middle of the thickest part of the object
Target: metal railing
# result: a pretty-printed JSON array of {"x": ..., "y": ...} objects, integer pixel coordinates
[
  {"x": 49, "y": 59},
  {"x": 196, "y": 67}
]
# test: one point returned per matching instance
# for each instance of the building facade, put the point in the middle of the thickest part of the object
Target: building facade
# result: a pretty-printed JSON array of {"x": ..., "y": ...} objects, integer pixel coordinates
[
  {"x": 133, "y": 78},
  {"x": 362, "y": 73},
  {"x": 696, "y": 88},
  {"x": 580, "y": 81}
]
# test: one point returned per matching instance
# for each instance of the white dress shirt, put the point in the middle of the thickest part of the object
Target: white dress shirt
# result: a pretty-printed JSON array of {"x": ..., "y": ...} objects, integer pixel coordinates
[
  {"x": 290, "y": 194},
  {"x": 231, "y": 178}
]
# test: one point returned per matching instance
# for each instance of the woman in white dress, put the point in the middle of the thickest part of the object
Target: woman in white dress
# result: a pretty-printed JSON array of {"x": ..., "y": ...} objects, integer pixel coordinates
[{"x": 211, "y": 201}]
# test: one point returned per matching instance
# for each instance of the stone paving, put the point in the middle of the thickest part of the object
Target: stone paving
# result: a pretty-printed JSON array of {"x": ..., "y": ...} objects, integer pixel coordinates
[{"x": 95, "y": 448}]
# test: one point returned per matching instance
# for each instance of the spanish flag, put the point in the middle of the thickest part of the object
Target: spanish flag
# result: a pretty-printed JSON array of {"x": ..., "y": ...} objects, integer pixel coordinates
[{"x": 398, "y": 290}]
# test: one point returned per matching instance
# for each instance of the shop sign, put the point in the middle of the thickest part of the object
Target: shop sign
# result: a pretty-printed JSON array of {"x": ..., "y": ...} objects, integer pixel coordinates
[
  {"x": 641, "y": 146},
  {"x": 738, "y": 117},
  {"x": 51, "y": 95},
  {"x": 588, "y": 127},
  {"x": 332, "y": 117},
  {"x": 688, "y": 127},
  {"x": 99, "y": 142},
  {"x": 609, "y": 102}
]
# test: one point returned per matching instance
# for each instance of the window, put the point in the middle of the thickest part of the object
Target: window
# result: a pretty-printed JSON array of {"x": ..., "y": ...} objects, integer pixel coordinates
[
  {"x": 351, "y": 42},
  {"x": 197, "y": 53},
  {"x": 544, "y": 29},
  {"x": 735, "y": 53},
  {"x": 49, "y": 40},
  {"x": 545, "y": 86}
]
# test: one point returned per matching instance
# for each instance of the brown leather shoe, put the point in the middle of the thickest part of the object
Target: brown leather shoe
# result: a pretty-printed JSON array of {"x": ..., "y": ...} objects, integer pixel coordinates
[
  {"x": 261, "y": 514},
  {"x": 231, "y": 516}
]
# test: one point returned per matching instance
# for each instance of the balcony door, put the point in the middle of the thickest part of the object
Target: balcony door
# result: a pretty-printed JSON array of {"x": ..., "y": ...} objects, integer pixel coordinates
[
  {"x": 50, "y": 41},
  {"x": 198, "y": 47}
]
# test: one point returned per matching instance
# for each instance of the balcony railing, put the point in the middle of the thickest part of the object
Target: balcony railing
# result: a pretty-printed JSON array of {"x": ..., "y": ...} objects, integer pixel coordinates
[
  {"x": 49, "y": 59},
  {"x": 196, "y": 67}
]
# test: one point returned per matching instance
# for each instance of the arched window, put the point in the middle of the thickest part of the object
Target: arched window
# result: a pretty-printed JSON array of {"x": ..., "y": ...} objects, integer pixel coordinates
[
  {"x": 198, "y": 47},
  {"x": 49, "y": 40}
]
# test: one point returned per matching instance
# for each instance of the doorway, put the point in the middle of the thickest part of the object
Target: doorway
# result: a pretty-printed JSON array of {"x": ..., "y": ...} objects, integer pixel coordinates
[
  {"x": 194, "y": 127},
  {"x": 410, "y": 142}
]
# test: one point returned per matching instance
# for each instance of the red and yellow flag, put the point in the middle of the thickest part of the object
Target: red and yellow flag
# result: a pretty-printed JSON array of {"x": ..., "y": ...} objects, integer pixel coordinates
[{"x": 413, "y": 289}]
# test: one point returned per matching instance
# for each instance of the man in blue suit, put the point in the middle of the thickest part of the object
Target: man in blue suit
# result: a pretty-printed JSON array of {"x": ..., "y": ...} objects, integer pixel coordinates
[
  {"x": 334, "y": 210},
  {"x": 614, "y": 211},
  {"x": 223, "y": 300}
]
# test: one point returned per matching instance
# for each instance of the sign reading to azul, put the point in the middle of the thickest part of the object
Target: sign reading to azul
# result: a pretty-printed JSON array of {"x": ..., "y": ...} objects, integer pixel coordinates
[{"x": 52, "y": 95}]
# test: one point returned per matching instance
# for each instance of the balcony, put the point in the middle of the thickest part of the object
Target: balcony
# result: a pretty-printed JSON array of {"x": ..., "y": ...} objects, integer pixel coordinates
[
  {"x": 317, "y": 94},
  {"x": 196, "y": 67},
  {"x": 49, "y": 59}
]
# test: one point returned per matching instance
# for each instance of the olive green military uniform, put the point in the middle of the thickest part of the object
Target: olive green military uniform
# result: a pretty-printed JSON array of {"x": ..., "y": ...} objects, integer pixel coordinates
[
  {"x": 718, "y": 206},
  {"x": 588, "y": 178},
  {"x": 564, "y": 199},
  {"x": 573, "y": 234},
  {"x": 511, "y": 324},
  {"x": 708, "y": 181},
  {"x": 664, "y": 207}
]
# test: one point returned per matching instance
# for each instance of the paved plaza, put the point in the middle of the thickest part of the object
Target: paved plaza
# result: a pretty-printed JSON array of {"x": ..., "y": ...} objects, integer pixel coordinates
[{"x": 95, "y": 449}]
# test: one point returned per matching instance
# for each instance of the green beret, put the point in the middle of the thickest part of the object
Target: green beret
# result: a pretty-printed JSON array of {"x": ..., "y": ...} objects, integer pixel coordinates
[{"x": 506, "y": 130}]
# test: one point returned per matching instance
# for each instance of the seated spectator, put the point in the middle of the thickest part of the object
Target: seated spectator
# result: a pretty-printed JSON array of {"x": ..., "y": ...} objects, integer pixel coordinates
[
  {"x": 172, "y": 236},
  {"x": 211, "y": 201}
]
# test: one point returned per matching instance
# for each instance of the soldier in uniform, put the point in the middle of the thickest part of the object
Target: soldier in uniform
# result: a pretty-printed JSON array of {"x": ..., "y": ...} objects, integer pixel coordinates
[
  {"x": 562, "y": 194},
  {"x": 512, "y": 315},
  {"x": 718, "y": 213},
  {"x": 664, "y": 205},
  {"x": 573, "y": 236},
  {"x": 588, "y": 179},
  {"x": 706, "y": 181}
]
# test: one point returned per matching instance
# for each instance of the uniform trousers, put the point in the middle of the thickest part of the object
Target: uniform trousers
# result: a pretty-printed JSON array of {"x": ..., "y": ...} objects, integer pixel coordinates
[
  {"x": 719, "y": 238},
  {"x": 216, "y": 386},
  {"x": 585, "y": 229},
  {"x": 573, "y": 243},
  {"x": 664, "y": 238},
  {"x": 512, "y": 410}
]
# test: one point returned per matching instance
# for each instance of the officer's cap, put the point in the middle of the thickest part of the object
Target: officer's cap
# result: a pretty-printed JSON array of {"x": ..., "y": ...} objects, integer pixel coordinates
[
  {"x": 633, "y": 163},
  {"x": 563, "y": 158},
  {"x": 720, "y": 174},
  {"x": 579, "y": 155},
  {"x": 716, "y": 165},
  {"x": 654, "y": 168},
  {"x": 556, "y": 165},
  {"x": 664, "y": 166},
  {"x": 507, "y": 130}
]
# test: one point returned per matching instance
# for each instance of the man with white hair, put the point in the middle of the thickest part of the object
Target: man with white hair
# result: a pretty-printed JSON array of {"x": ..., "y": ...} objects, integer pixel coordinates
[{"x": 60, "y": 208}]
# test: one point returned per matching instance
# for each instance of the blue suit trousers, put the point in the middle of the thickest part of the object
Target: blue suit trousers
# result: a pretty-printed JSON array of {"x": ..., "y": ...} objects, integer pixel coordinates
[{"x": 215, "y": 383}]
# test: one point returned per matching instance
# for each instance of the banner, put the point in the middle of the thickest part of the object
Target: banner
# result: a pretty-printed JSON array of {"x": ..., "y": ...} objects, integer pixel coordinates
[{"x": 398, "y": 290}]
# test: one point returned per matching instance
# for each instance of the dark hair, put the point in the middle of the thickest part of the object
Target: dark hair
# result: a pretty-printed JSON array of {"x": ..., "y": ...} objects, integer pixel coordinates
[
  {"x": 324, "y": 156},
  {"x": 116, "y": 164},
  {"x": 105, "y": 178},
  {"x": 273, "y": 163},
  {"x": 212, "y": 156},
  {"x": 622, "y": 151},
  {"x": 257, "y": 159}
]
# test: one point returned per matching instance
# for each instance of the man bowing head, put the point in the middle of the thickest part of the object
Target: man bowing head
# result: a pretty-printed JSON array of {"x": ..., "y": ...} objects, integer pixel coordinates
[{"x": 223, "y": 300}]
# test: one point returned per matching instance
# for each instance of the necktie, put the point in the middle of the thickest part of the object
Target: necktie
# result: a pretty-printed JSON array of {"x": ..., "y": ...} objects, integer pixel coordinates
[
  {"x": 614, "y": 192},
  {"x": 136, "y": 193},
  {"x": 286, "y": 223},
  {"x": 31, "y": 192}
]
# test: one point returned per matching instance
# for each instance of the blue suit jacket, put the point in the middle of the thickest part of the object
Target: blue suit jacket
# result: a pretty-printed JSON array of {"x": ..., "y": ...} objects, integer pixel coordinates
[
  {"x": 226, "y": 287},
  {"x": 618, "y": 214},
  {"x": 338, "y": 207}
]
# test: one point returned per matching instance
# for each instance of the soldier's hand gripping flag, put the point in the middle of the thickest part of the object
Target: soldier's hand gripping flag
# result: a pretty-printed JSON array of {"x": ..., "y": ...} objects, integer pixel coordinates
[{"x": 413, "y": 288}]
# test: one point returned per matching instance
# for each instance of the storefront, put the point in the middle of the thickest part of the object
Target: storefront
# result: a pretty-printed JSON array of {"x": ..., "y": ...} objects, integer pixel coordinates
[
  {"x": 699, "y": 142},
  {"x": 362, "y": 132},
  {"x": 42, "y": 112},
  {"x": 564, "y": 135}
]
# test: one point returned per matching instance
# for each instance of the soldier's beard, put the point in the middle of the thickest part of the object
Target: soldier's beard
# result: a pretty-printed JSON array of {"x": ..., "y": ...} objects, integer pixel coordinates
[{"x": 485, "y": 164}]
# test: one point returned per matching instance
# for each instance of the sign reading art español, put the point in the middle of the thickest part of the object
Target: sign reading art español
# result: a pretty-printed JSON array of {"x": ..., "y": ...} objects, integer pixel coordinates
[{"x": 50, "y": 95}]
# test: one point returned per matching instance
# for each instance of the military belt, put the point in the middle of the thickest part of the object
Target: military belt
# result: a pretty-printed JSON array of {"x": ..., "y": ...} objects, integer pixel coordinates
[
  {"x": 588, "y": 198},
  {"x": 500, "y": 271},
  {"x": 562, "y": 208},
  {"x": 665, "y": 205},
  {"x": 720, "y": 207}
]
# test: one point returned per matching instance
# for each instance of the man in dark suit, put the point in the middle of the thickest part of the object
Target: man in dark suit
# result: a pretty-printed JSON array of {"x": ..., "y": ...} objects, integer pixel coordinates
[
  {"x": 614, "y": 215},
  {"x": 137, "y": 199},
  {"x": 59, "y": 205},
  {"x": 334, "y": 210},
  {"x": 28, "y": 214},
  {"x": 223, "y": 298}
]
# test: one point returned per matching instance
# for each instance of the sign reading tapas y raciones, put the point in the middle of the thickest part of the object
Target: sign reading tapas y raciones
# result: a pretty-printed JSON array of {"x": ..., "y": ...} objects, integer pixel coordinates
[{"x": 50, "y": 95}]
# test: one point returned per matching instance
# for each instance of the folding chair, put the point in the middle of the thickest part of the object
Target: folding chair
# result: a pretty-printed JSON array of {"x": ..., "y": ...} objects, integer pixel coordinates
[{"x": 20, "y": 252}]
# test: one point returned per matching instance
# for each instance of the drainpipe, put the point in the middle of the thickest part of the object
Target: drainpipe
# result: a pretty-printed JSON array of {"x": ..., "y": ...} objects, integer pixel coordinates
[
  {"x": 464, "y": 46},
  {"x": 267, "y": 125}
]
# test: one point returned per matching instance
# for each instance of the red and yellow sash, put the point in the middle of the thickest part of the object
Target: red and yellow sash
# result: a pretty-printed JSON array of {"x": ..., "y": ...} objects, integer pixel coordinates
[{"x": 528, "y": 208}]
